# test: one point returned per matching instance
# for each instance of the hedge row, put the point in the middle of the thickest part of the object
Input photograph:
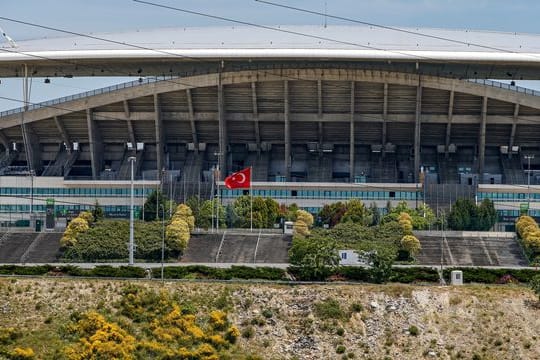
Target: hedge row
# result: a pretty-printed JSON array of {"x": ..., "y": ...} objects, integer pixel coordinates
[
  {"x": 398, "y": 274},
  {"x": 205, "y": 272}
]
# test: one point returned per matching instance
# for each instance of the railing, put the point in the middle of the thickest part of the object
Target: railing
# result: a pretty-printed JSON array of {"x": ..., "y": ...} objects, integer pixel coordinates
[
  {"x": 108, "y": 89},
  {"x": 505, "y": 86}
]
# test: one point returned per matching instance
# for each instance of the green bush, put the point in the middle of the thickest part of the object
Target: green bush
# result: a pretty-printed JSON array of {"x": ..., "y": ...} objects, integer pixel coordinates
[
  {"x": 328, "y": 309},
  {"x": 24, "y": 270},
  {"x": 205, "y": 272},
  {"x": 413, "y": 330}
]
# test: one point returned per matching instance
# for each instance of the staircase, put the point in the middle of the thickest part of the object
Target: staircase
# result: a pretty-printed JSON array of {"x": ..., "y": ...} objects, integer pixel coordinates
[{"x": 513, "y": 171}]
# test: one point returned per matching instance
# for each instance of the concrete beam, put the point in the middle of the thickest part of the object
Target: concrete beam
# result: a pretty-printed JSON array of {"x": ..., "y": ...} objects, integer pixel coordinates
[
  {"x": 126, "y": 109},
  {"x": 255, "y": 115},
  {"x": 223, "y": 140},
  {"x": 63, "y": 132},
  {"x": 449, "y": 124},
  {"x": 191, "y": 112},
  {"x": 287, "y": 130},
  {"x": 351, "y": 136},
  {"x": 513, "y": 131},
  {"x": 96, "y": 145},
  {"x": 482, "y": 139},
  {"x": 417, "y": 131},
  {"x": 236, "y": 77},
  {"x": 160, "y": 136}
]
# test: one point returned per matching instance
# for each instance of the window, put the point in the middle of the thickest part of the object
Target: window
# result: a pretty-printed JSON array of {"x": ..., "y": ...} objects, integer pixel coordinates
[
  {"x": 343, "y": 256},
  {"x": 294, "y": 193}
]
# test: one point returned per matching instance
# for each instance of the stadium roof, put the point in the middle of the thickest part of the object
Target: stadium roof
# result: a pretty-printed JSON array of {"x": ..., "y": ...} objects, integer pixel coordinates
[{"x": 511, "y": 53}]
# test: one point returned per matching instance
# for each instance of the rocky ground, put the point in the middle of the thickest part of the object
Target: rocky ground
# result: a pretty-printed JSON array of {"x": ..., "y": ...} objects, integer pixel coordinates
[{"x": 333, "y": 321}]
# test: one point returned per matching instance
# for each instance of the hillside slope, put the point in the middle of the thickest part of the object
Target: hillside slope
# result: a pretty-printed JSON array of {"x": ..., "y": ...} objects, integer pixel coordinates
[{"x": 330, "y": 321}]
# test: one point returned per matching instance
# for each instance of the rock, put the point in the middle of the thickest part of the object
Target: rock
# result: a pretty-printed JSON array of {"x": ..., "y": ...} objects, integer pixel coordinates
[
  {"x": 374, "y": 305},
  {"x": 432, "y": 353}
]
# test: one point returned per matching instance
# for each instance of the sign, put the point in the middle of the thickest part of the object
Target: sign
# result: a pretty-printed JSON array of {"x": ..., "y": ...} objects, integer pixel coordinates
[
  {"x": 49, "y": 215},
  {"x": 523, "y": 207}
]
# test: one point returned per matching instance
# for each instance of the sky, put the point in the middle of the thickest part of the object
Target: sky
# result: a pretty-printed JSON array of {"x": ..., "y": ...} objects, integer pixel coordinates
[{"x": 102, "y": 16}]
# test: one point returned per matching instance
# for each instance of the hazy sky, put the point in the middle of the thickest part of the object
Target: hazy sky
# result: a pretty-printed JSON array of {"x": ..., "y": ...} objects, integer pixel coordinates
[{"x": 97, "y": 16}]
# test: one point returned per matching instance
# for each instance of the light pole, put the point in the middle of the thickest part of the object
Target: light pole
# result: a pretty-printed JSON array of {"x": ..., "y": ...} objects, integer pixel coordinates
[
  {"x": 132, "y": 160},
  {"x": 528, "y": 157}
]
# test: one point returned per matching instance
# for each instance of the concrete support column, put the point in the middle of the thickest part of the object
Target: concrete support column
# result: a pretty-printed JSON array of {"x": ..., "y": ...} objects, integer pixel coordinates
[
  {"x": 417, "y": 131},
  {"x": 320, "y": 130},
  {"x": 129, "y": 124},
  {"x": 287, "y": 131},
  {"x": 351, "y": 136},
  {"x": 96, "y": 144},
  {"x": 513, "y": 131},
  {"x": 62, "y": 130},
  {"x": 194, "y": 136},
  {"x": 255, "y": 115},
  {"x": 160, "y": 137},
  {"x": 482, "y": 139},
  {"x": 223, "y": 141},
  {"x": 449, "y": 124},
  {"x": 385, "y": 116}
]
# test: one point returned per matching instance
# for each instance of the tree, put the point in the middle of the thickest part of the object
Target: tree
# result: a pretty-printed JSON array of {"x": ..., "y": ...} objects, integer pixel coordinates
[
  {"x": 75, "y": 227},
  {"x": 375, "y": 213},
  {"x": 331, "y": 214},
  {"x": 177, "y": 234},
  {"x": 464, "y": 215},
  {"x": 411, "y": 244},
  {"x": 303, "y": 222},
  {"x": 151, "y": 203},
  {"x": 487, "y": 215},
  {"x": 381, "y": 260},
  {"x": 421, "y": 218},
  {"x": 184, "y": 213},
  {"x": 97, "y": 212},
  {"x": 208, "y": 209},
  {"x": 357, "y": 213},
  {"x": 314, "y": 257}
]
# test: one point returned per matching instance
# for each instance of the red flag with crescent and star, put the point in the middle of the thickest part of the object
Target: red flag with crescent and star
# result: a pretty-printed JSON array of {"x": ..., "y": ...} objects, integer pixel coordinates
[{"x": 239, "y": 180}]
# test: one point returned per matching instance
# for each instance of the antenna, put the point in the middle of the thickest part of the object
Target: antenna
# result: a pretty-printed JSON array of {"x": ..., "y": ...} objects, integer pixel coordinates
[{"x": 8, "y": 38}]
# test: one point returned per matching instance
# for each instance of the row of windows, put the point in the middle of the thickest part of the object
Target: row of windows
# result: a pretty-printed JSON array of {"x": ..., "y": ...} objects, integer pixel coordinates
[
  {"x": 102, "y": 192},
  {"x": 60, "y": 208},
  {"x": 326, "y": 194},
  {"x": 517, "y": 213},
  {"x": 507, "y": 196}
]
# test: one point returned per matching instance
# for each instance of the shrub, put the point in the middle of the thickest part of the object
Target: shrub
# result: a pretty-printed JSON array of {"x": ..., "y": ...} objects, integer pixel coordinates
[
  {"x": 340, "y": 349},
  {"x": 248, "y": 332},
  {"x": 328, "y": 309},
  {"x": 413, "y": 330}
]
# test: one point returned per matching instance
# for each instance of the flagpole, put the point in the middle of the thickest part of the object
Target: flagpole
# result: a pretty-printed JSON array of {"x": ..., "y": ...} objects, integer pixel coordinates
[{"x": 251, "y": 201}]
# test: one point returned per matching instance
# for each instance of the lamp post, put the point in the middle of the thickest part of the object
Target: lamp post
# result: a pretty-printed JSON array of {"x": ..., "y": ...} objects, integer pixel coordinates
[
  {"x": 132, "y": 160},
  {"x": 528, "y": 157}
]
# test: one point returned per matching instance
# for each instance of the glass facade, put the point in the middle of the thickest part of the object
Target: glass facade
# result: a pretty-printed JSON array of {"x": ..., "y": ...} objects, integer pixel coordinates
[{"x": 325, "y": 194}]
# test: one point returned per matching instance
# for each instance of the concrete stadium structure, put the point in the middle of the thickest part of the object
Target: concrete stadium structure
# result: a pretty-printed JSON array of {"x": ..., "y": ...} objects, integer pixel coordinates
[{"x": 321, "y": 114}]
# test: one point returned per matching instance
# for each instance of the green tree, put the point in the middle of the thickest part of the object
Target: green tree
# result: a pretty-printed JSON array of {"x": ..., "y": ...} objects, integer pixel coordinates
[
  {"x": 97, "y": 212},
  {"x": 209, "y": 208},
  {"x": 381, "y": 260},
  {"x": 464, "y": 215},
  {"x": 194, "y": 203},
  {"x": 487, "y": 215},
  {"x": 357, "y": 212},
  {"x": 314, "y": 257},
  {"x": 421, "y": 218},
  {"x": 375, "y": 213},
  {"x": 151, "y": 203},
  {"x": 272, "y": 208}
]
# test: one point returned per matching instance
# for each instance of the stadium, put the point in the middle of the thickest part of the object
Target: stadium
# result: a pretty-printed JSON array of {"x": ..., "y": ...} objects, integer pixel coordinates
[{"x": 321, "y": 114}]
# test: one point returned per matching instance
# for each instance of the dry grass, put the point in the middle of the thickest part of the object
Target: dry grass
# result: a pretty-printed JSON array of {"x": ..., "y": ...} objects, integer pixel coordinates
[{"x": 491, "y": 322}]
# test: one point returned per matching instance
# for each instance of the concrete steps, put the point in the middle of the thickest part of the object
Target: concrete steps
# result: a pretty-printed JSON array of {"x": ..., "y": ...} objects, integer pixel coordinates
[
  {"x": 202, "y": 248},
  {"x": 472, "y": 251}
]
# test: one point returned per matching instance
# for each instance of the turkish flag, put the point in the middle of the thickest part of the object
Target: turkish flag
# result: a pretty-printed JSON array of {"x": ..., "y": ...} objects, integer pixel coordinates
[{"x": 239, "y": 180}]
